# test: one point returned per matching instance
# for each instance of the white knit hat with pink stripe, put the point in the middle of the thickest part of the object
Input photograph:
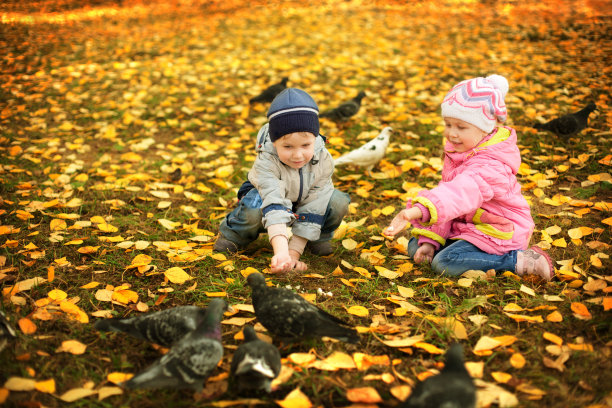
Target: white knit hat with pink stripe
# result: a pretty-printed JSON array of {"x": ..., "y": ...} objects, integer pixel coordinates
[{"x": 479, "y": 101}]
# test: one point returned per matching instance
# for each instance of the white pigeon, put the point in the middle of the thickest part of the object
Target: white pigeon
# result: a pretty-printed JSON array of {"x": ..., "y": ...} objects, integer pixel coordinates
[{"x": 369, "y": 154}]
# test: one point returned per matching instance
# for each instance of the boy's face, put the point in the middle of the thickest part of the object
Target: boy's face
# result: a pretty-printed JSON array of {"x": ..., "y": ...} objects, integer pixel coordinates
[
  {"x": 463, "y": 136},
  {"x": 295, "y": 149}
]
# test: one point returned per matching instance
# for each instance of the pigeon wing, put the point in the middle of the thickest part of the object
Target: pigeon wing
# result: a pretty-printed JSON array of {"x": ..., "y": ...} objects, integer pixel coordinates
[
  {"x": 187, "y": 365},
  {"x": 347, "y": 109},
  {"x": 163, "y": 327}
]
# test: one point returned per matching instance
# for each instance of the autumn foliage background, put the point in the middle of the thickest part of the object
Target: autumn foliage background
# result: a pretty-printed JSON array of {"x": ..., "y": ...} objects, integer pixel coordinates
[{"x": 102, "y": 101}]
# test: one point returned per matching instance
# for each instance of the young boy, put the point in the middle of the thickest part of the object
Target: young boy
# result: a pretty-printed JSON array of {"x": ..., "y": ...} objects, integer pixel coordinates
[{"x": 290, "y": 184}]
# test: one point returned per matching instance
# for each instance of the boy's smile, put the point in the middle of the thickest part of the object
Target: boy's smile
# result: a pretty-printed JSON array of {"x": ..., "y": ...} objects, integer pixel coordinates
[{"x": 295, "y": 149}]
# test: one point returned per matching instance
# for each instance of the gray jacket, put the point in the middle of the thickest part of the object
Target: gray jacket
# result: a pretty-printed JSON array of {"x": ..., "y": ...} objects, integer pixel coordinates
[{"x": 295, "y": 197}]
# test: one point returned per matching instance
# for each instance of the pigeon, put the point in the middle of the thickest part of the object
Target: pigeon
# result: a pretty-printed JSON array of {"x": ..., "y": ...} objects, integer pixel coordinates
[
  {"x": 344, "y": 110},
  {"x": 568, "y": 125},
  {"x": 7, "y": 333},
  {"x": 190, "y": 360},
  {"x": 163, "y": 327},
  {"x": 452, "y": 388},
  {"x": 290, "y": 317},
  {"x": 268, "y": 94},
  {"x": 255, "y": 363},
  {"x": 176, "y": 174},
  {"x": 369, "y": 154}
]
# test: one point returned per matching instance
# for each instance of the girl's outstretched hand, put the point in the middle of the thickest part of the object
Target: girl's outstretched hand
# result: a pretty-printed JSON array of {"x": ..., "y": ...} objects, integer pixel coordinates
[{"x": 401, "y": 220}]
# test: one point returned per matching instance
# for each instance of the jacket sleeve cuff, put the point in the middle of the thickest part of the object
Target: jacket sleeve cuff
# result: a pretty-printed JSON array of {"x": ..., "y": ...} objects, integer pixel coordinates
[
  {"x": 424, "y": 240},
  {"x": 277, "y": 229},
  {"x": 297, "y": 244},
  {"x": 431, "y": 209},
  {"x": 426, "y": 215},
  {"x": 420, "y": 232}
]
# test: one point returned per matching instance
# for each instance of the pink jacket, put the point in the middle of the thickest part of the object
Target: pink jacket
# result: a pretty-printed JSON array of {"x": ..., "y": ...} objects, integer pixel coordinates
[{"x": 479, "y": 199}]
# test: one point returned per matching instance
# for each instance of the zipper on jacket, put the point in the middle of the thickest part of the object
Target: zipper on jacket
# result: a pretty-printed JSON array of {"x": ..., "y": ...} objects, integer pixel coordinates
[{"x": 300, "y": 193}]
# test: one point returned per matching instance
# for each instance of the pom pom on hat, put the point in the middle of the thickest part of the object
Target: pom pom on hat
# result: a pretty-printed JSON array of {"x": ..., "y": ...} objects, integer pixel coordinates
[
  {"x": 478, "y": 101},
  {"x": 293, "y": 110},
  {"x": 499, "y": 82}
]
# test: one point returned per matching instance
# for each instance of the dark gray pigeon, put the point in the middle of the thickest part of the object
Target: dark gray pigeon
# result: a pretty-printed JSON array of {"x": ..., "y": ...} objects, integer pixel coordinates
[
  {"x": 268, "y": 94},
  {"x": 290, "y": 317},
  {"x": 255, "y": 363},
  {"x": 568, "y": 125},
  {"x": 7, "y": 333},
  {"x": 190, "y": 360},
  {"x": 345, "y": 110},
  {"x": 452, "y": 388},
  {"x": 163, "y": 327}
]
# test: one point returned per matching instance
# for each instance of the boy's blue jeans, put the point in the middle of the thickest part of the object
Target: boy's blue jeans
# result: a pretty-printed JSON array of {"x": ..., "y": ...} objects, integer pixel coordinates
[
  {"x": 243, "y": 225},
  {"x": 459, "y": 256}
]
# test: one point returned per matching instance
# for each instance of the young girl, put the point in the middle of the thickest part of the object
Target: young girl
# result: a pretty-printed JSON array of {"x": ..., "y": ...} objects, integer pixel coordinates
[{"x": 476, "y": 218}]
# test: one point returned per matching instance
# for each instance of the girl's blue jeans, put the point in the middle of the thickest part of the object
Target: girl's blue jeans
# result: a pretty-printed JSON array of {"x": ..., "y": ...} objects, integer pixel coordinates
[
  {"x": 243, "y": 225},
  {"x": 459, "y": 256}
]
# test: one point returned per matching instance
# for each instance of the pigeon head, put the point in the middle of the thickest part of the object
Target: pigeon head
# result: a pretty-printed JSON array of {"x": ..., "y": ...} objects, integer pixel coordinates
[
  {"x": 386, "y": 133},
  {"x": 591, "y": 107},
  {"x": 249, "y": 333},
  {"x": 210, "y": 326},
  {"x": 453, "y": 360},
  {"x": 256, "y": 280}
]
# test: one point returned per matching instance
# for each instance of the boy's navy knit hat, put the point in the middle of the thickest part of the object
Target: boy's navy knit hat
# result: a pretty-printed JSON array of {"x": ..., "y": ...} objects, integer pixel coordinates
[{"x": 293, "y": 110}]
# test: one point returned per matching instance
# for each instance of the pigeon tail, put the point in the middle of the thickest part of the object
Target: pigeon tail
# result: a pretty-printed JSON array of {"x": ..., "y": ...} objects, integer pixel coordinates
[
  {"x": 114, "y": 325},
  {"x": 345, "y": 334},
  {"x": 268, "y": 94}
]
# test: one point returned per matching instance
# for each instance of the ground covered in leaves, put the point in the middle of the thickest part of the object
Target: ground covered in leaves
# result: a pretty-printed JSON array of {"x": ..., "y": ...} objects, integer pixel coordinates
[{"x": 125, "y": 131}]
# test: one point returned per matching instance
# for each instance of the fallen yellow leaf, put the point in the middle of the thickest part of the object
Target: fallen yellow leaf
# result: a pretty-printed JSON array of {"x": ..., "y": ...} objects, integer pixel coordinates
[
  {"x": 177, "y": 275},
  {"x": 26, "y": 325},
  {"x": 358, "y": 311},
  {"x": 517, "y": 360},
  {"x": 72, "y": 347},
  {"x": 365, "y": 395},
  {"x": 295, "y": 399},
  {"x": 118, "y": 378},
  {"x": 47, "y": 386}
]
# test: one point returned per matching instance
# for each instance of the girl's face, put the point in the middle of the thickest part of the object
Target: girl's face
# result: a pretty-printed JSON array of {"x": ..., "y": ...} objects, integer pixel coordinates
[
  {"x": 295, "y": 149},
  {"x": 463, "y": 136}
]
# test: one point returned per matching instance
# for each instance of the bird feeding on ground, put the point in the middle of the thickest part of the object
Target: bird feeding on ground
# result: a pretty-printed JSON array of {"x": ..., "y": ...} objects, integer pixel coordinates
[
  {"x": 568, "y": 125},
  {"x": 255, "y": 363},
  {"x": 345, "y": 110},
  {"x": 191, "y": 360},
  {"x": 290, "y": 317},
  {"x": 369, "y": 154}
]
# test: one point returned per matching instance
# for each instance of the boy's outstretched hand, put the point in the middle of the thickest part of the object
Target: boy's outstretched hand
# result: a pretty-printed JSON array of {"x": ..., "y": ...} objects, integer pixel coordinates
[
  {"x": 285, "y": 263},
  {"x": 401, "y": 220},
  {"x": 281, "y": 263}
]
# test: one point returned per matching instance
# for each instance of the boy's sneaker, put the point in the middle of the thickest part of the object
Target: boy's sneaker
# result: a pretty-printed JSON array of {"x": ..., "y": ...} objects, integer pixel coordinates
[
  {"x": 534, "y": 261},
  {"x": 225, "y": 245},
  {"x": 322, "y": 248}
]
